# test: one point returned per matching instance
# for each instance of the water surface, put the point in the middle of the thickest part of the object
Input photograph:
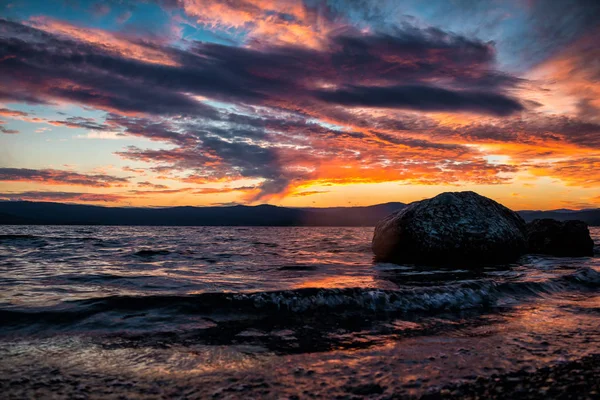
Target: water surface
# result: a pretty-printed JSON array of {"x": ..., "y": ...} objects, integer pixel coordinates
[{"x": 301, "y": 309}]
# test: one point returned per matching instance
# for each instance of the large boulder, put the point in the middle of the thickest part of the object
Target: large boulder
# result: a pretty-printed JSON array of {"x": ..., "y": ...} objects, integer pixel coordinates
[
  {"x": 451, "y": 228},
  {"x": 562, "y": 239}
]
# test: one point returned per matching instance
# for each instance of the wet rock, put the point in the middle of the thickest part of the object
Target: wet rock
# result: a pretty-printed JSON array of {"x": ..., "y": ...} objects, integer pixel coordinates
[
  {"x": 573, "y": 380},
  {"x": 559, "y": 238},
  {"x": 365, "y": 390},
  {"x": 150, "y": 253},
  {"x": 451, "y": 228},
  {"x": 413, "y": 384}
]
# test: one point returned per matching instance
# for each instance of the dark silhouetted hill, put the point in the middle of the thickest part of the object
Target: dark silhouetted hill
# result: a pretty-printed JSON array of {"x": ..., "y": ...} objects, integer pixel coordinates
[
  {"x": 591, "y": 216},
  {"x": 42, "y": 213}
]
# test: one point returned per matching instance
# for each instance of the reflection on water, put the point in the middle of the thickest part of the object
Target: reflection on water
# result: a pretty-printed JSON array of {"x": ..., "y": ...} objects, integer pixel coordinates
[
  {"x": 41, "y": 265},
  {"x": 524, "y": 337},
  {"x": 55, "y": 264}
]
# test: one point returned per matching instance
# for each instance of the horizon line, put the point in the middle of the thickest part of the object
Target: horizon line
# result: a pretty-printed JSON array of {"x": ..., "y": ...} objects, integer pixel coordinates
[{"x": 265, "y": 204}]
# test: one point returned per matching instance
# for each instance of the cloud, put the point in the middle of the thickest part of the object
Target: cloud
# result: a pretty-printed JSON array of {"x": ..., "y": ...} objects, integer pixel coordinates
[
  {"x": 261, "y": 20},
  {"x": 80, "y": 122},
  {"x": 46, "y": 67},
  {"x": 580, "y": 172},
  {"x": 62, "y": 196},
  {"x": 147, "y": 184},
  {"x": 8, "y": 131},
  {"x": 138, "y": 171},
  {"x": 532, "y": 129},
  {"x": 68, "y": 66},
  {"x": 573, "y": 72},
  {"x": 316, "y": 94},
  {"x": 423, "y": 98},
  {"x": 213, "y": 190},
  {"x": 118, "y": 44},
  {"x": 157, "y": 192},
  {"x": 308, "y": 193},
  {"x": 293, "y": 85},
  {"x": 19, "y": 115},
  {"x": 5, "y": 112},
  {"x": 58, "y": 177},
  {"x": 555, "y": 24},
  {"x": 221, "y": 160},
  {"x": 102, "y": 135}
]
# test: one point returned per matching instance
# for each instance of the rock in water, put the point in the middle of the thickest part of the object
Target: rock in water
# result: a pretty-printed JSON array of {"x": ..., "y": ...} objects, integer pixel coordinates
[
  {"x": 562, "y": 239},
  {"x": 451, "y": 228}
]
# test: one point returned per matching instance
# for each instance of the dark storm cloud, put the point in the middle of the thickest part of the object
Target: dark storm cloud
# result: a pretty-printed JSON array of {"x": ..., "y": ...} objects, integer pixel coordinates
[
  {"x": 533, "y": 129},
  {"x": 423, "y": 144},
  {"x": 149, "y": 128},
  {"x": 231, "y": 159},
  {"x": 41, "y": 67},
  {"x": 51, "y": 67},
  {"x": 412, "y": 43},
  {"x": 11, "y": 93},
  {"x": 423, "y": 98}
]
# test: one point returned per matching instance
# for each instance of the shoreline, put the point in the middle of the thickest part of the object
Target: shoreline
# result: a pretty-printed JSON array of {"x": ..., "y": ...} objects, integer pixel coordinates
[{"x": 578, "y": 379}]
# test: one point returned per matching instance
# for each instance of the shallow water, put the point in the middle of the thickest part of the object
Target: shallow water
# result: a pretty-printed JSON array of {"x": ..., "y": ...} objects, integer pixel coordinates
[{"x": 303, "y": 309}]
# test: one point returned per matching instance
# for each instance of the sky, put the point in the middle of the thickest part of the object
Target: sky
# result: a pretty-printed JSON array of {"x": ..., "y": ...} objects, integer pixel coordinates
[{"x": 299, "y": 103}]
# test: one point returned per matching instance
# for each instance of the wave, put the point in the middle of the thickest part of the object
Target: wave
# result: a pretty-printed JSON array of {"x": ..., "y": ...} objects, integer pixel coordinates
[
  {"x": 151, "y": 253},
  {"x": 19, "y": 237},
  {"x": 23, "y": 237},
  {"x": 463, "y": 296}
]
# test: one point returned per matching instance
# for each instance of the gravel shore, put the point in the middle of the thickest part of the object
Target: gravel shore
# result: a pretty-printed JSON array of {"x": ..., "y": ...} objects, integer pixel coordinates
[{"x": 574, "y": 380}]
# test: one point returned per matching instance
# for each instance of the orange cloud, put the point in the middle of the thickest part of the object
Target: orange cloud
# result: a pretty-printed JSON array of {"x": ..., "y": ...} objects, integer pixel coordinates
[
  {"x": 59, "y": 177},
  {"x": 138, "y": 171},
  {"x": 158, "y": 192},
  {"x": 147, "y": 184},
  {"x": 572, "y": 76},
  {"x": 20, "y": 115},
  {"x": 5, "y": 112},
  {"x": 283, "y": 21},
  {"x": 308, "y": 193},
  {"x": 63, "y": 197},
  {"x": 114, "y": 43},
  {"x": 582, "y": 172},
  {"x": 213, "y": 190}
]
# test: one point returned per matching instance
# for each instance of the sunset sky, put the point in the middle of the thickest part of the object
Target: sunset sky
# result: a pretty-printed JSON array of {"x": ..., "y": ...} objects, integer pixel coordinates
[{"x": 299, "y": 103}]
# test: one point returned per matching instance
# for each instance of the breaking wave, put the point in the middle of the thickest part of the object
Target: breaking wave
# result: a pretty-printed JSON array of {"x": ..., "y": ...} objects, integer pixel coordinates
[{"x": 452, "y": 297}]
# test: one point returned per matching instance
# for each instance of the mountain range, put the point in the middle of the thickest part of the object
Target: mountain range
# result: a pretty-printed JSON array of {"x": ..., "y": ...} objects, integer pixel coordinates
[{"x": 43, "y": 213}]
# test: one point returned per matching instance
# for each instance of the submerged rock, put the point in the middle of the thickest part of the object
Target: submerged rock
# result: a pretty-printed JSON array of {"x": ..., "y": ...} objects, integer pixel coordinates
[
  {"x": 150, "y": 253},
  {"x": 562, "y": 239},
  {"x": 451, "y": 228}
]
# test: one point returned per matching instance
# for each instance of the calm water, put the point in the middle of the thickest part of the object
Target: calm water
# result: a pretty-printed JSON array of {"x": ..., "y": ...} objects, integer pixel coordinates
[{"x": 299, "y": 308}]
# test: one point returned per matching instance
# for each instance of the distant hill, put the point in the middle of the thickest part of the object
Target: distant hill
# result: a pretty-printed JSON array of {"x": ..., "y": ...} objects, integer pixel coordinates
[
  {"x": 42, "y": 213},
  {"x": 350, "y": 216},
  {"x": 591, "y": 216}
]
